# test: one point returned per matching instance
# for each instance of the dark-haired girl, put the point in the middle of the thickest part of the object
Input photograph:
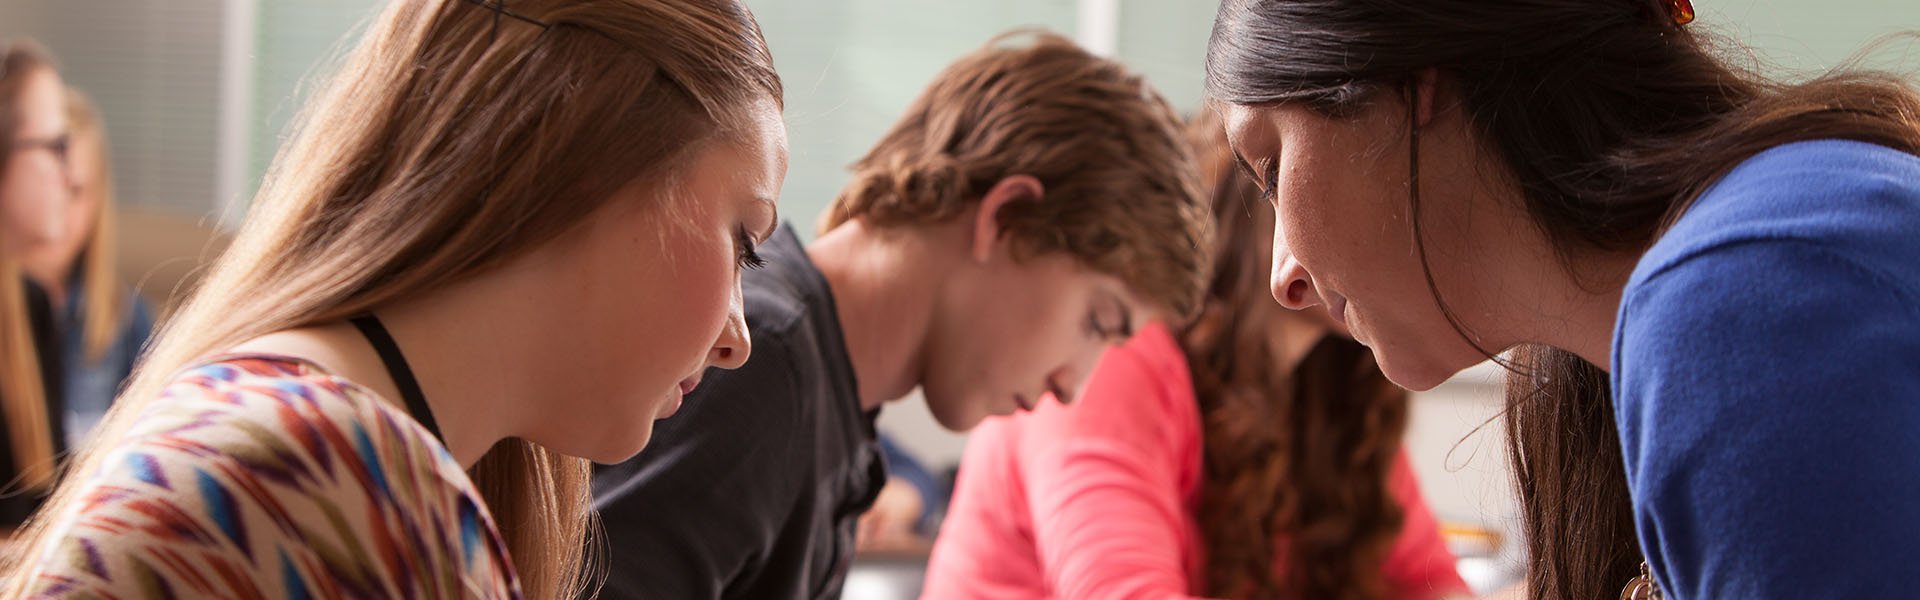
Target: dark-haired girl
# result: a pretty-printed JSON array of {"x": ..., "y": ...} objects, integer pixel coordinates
[{"x": 1705, "y": 281}]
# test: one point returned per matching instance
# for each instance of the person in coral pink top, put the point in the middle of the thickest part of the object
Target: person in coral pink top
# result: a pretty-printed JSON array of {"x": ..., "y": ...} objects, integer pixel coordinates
[{"x": 1254, "y": 453}]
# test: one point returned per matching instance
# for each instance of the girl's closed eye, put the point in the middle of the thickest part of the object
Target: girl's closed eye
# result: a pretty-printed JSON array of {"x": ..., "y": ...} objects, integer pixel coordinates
[{"x": 748, "y": 258}]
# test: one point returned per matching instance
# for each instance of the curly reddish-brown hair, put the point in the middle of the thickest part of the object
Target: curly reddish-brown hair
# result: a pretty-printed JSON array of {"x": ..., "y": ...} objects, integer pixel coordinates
[{"x": 1296, "y": 460}]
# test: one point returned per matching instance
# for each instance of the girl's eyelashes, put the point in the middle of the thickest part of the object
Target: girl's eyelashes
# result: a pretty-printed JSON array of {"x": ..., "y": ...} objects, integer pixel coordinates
[
  {"x": 1270, "y": 180},
  {"x": 1246, "y": 170},
  {"x": 1267, "y": 179},
  {"x": 748, "y": 258}
]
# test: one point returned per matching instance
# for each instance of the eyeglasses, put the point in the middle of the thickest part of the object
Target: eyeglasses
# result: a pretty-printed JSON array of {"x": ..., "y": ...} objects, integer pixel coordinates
[{"x": 58, "y": 145}]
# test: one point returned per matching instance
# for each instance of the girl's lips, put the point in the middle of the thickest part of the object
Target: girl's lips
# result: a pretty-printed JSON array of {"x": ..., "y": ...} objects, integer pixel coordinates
[
  {"x": 680, "y": 395},
  {"x": 674, "y": 401}
]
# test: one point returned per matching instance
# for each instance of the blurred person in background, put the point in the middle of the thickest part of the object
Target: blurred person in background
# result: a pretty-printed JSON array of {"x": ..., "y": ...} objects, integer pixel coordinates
[
  {"x": 1252, "y": 453},
  {"x": 103, "y": 323},
  {"x": 35, "y": 189},
  {"x": 905, "y": 515}
]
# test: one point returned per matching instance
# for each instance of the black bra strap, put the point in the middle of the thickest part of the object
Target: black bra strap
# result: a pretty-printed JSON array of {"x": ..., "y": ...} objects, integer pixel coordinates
[{"x": 397, "y": 368}]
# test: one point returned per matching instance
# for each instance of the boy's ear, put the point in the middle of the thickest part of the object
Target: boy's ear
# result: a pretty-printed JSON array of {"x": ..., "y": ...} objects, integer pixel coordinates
[{"x": 986, "y": 221}]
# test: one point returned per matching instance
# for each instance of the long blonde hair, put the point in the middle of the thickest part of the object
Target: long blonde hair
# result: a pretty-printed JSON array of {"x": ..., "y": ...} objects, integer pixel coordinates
[
  {"x": 458, "y": 135},
  {"x": 106, "y": 301},
  {"x": 23, "y": 396}
]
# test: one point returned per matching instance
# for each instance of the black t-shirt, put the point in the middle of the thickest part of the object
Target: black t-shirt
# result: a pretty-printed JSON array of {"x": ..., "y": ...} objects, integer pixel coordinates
[
  {"x": 753, "y": 489},
  {"x": 15, "y": 503}
]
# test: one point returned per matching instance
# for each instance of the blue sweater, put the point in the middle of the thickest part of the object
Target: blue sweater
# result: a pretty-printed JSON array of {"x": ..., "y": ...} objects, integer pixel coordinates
[{"x": 1766, "y": 371}]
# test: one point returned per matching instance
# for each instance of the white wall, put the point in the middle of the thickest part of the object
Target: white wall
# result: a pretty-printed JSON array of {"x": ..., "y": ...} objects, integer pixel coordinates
[
  {"x": 153, "y": 69},
  {"x": 851, "y": 66},
  {"x": 295, "y": 43},
  {"x": 20, "y": 18},
  {"x": 1802, "y": 36}
]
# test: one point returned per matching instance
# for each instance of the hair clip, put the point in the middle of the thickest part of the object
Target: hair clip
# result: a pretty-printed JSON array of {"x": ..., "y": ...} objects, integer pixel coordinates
[
  {"x": 1681, "y": 11},
  {"x": 499, "y": 8}
]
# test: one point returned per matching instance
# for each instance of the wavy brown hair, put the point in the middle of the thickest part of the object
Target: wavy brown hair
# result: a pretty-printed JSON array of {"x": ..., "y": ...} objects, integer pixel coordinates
[
  {"x": 1296, "y": 460},
  {"x": 1611, "y": 118},
  {"x": 457, "y": 136},
  {"x": 1121, "y": 196}
]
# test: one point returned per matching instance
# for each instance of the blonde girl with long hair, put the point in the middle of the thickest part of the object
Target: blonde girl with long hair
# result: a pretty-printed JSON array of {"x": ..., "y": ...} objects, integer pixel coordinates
[
  {"x": 103, "y": 323},
  {"x": 34, "y": 186},
  {"x": 506, "y": 238}
]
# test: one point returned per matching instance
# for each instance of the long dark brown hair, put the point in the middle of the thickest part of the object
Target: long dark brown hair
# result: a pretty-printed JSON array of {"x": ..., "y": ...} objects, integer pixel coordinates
[
  {"x": 1296, "y": 460},
  {"x": 1611, "y": 118}
]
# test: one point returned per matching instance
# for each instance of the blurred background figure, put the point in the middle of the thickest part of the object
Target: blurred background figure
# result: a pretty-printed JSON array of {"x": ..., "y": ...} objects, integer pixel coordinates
[
  {"x": 35, "y": 188},
  {"x": 907, "y": 513},
  {"x": 102, "y": 322}
]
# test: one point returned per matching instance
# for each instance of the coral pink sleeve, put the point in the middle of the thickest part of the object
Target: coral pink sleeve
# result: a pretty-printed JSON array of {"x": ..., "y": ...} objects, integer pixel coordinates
[
  {"x": 1420, "y": 566},
  {"x": 1107, "y": 477}
]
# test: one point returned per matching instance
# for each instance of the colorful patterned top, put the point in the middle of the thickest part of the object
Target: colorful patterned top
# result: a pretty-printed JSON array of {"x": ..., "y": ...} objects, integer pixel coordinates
[{"x": 264, "y": 477}]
